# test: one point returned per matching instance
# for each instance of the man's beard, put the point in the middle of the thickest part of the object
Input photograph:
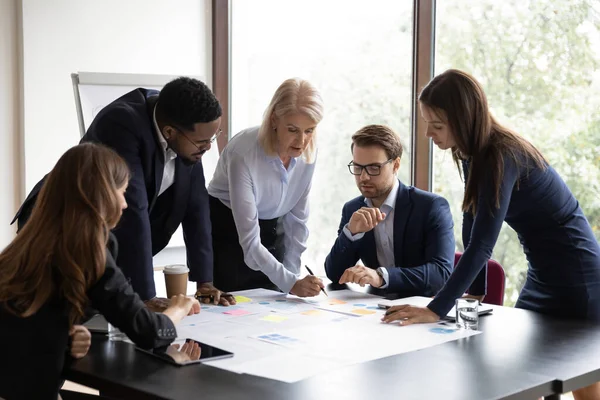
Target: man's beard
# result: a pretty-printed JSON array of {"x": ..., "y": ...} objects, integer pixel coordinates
[
  {"x": 378, "y": 192},
  {"x": 188, "y": 162}
]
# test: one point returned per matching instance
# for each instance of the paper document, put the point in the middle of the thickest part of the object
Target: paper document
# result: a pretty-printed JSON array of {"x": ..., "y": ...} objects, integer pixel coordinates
[{"x": 286, "y": 338}]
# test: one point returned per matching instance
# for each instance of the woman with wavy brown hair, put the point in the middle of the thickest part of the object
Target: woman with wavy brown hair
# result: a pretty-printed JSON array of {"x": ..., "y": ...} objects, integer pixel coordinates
[
  {"x": 508, "y": 179},
  {"x": 63, "y": 261}
]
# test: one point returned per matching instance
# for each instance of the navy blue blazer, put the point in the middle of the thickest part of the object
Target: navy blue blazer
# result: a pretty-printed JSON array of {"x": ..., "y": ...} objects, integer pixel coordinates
[
  {"x": 126, "y": 125},
  {"x": 563, "y": 278},
  {"x": 423, "y": 243}
]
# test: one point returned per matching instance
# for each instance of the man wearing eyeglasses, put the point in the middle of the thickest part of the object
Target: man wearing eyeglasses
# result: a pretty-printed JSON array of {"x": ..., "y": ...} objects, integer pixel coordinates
[
  {"x": 162, "y": 136},
  {"x": 404, "y": 236}
]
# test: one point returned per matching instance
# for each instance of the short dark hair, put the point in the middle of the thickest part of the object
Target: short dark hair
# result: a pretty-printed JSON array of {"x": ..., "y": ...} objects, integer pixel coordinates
[
  {"x": 378, "y": 135},
  {"x": 187, "y": 101}
]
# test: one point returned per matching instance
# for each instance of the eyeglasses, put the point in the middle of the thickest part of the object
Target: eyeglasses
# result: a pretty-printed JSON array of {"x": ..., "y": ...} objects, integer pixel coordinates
[
  {"x": 202, "y": 143},
  {"x": 371, "y": 169}
]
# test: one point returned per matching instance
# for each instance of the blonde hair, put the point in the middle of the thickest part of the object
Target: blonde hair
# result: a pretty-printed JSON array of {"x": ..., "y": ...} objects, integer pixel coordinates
[{"x": 294, "y": 95}]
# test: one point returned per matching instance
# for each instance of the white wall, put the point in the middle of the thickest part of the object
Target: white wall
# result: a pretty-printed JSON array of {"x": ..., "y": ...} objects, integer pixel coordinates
[
  {"x": 10, "y": 154},
  {"x": 123, "y": 36}
]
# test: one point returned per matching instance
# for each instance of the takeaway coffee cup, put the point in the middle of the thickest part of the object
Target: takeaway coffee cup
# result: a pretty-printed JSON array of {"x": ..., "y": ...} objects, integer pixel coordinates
[{"x": 176, "y": 279}]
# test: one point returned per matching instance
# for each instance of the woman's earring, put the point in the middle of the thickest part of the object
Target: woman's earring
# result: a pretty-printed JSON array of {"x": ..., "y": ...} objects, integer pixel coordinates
[{"x": 275, "y": 128}]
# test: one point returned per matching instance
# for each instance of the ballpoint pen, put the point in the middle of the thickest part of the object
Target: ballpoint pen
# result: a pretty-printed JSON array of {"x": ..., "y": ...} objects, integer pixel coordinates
[{"x": 310, "y": 272}]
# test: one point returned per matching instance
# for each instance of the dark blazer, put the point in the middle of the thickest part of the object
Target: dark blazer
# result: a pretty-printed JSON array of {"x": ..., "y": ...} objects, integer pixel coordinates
[
  {"x": 423, "y": 243},
  {"x": 34, "y": 350},
  {"x": 126, "y": 125},
  {"x": 563, "y": 278}
]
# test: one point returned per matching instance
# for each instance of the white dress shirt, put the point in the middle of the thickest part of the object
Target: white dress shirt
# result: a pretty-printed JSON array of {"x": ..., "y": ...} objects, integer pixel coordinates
[
  {"x": 257, "y": 186},
  {"x": 169, "y": 156},
  {"x": 384, "y": 233}
]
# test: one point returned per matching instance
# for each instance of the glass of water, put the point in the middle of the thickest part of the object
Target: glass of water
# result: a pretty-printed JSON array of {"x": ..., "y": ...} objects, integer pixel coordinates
[
  {"x": 467, "y": 316},
  {"x": 115, "y": 335}
]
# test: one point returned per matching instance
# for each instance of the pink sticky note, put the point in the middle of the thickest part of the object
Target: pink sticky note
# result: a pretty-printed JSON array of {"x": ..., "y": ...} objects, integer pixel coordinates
[{"x": 237, "y": 313}]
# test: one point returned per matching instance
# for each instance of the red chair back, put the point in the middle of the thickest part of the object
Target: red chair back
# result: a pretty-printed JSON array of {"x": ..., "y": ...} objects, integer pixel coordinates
[{"x": 495, "y": 281}]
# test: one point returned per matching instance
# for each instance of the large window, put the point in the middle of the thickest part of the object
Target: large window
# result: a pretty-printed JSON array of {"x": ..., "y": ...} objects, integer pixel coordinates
[
  {"x": 357, "y": 53},
  {"x": 539, "y": 61}
]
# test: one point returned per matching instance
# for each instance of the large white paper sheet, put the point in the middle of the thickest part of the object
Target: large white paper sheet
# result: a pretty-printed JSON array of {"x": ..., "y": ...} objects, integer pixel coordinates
[
  {"x": 307, "y": 336},
  {"x": 345, "y": 301}
]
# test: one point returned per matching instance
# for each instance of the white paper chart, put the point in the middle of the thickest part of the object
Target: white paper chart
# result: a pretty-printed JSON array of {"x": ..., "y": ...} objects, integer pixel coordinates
[{"x": 287, "y": 338}]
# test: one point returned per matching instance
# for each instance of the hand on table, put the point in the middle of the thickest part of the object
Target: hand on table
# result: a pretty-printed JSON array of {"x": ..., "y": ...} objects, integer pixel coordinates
[
  {"x": 190, "y": 351},
  {"x": 218, "y": 297},
  {"x": 157, "y": 304},
  {"x": 408, "y": 315},
  {"x": 181, "y": 306}
]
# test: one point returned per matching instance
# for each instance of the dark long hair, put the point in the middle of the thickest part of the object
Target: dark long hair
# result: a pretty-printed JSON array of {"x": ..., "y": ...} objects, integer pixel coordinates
[
  {"x": 61, "y": 251},
  {"x": 459, "y": 98}
]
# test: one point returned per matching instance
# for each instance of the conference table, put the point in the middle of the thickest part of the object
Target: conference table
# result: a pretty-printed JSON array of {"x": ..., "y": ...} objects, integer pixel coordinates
[{"x": 519, "y": 355}]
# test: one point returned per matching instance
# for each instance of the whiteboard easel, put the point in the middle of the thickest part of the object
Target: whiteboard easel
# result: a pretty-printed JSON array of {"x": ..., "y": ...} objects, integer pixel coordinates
[{"x": 94, "y": 90}]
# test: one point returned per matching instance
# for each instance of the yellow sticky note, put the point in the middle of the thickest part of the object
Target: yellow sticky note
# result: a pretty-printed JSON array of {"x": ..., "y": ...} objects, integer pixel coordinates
[
  {"x": 362, "y": 311},
  {"x": 274, "y": 318},
  {"x": 312, "y": 313},
  {"x": 242, "y": 299}
]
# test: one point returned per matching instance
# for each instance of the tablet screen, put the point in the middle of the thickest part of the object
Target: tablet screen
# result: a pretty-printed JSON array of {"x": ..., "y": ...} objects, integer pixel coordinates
[{"x": 189, "y": 352}]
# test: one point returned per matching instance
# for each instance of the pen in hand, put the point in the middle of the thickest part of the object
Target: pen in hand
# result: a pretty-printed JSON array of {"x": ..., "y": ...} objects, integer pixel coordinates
[{"x": 310, "y": 272}]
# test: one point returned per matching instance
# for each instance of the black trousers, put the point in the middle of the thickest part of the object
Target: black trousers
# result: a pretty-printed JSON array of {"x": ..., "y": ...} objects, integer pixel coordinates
[{"x": 230, "y": 271}]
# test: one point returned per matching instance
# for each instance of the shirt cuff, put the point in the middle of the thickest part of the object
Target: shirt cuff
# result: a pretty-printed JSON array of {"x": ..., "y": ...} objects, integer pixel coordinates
[
  {"x": 386, "y": 278},
  {"x": 283, "y": 278},
  {"x": 350, "y": 236}
]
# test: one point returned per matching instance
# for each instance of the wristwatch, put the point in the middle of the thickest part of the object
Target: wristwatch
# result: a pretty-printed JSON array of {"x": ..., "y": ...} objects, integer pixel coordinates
[{"x": 380, "y": 273}]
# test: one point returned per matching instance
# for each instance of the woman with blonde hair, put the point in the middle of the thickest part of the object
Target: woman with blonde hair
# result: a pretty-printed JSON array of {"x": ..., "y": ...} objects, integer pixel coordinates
[
  {"x": 259, "y": 196},
  {"x": 64, "y": 260}
]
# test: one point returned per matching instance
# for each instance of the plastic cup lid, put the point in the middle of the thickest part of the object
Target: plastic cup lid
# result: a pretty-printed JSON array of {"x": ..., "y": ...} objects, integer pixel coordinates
[{"x": 175, "y": 269}]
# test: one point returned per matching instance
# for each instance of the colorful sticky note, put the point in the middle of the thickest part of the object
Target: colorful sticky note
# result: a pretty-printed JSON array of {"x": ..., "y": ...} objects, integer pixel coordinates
[
  {"x": 336, "y": 302},
  {"x": 242, "y": 299},
  {"x": 312, "y": 313},
  {"x": 274, "y": 318},
  {"x": 237, "y": 312},
  {"x": 362, "y": 311}
]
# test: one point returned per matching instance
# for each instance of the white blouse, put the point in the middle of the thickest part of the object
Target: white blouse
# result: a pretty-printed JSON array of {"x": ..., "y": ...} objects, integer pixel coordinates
[{"x": 257, "y": 186}]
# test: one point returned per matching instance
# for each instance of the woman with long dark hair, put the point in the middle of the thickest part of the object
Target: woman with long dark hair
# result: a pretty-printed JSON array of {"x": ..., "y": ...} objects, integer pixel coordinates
[
  {"x": 64, "y": 260},
  {"x": 508, "y": 179}
]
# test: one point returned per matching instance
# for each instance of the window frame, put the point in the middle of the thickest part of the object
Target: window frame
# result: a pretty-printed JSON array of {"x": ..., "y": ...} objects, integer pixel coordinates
[{"x": 423, "y": 70}]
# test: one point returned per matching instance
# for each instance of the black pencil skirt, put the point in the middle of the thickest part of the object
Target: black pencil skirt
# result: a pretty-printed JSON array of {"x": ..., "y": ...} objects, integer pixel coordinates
[{"x": 230, "y": 271}]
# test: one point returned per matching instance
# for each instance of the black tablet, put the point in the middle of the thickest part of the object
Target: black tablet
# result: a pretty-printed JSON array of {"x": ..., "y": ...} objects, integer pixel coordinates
[{"x": 190, "y": 352}]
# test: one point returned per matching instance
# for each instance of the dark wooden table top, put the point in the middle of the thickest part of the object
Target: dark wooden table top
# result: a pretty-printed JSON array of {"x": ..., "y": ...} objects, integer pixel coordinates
[{"x": 519, "y": 355}]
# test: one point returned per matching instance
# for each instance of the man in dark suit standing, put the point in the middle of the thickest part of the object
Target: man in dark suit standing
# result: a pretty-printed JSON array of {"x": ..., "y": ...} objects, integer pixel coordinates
[
  {"x": 403, "y": 235},
  {"x": 162, "y": 137}
]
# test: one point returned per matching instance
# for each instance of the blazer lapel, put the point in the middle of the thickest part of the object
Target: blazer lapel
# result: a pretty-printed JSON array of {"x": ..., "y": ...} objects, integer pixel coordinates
[
  {"x": 402, "y": 211},
  {"x": 159, "y": 158}
]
